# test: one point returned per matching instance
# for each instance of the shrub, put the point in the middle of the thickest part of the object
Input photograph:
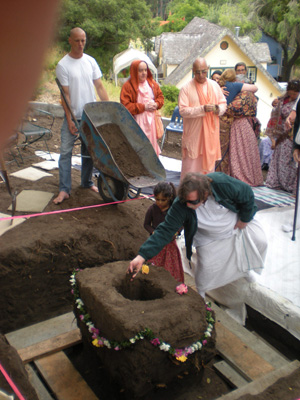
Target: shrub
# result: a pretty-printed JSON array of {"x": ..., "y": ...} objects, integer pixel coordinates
[{"x": 171, "y": 99}]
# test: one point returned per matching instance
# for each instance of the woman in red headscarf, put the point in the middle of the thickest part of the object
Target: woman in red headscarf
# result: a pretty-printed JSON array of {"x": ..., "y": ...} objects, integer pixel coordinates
[{"x": 142, "y": 96}]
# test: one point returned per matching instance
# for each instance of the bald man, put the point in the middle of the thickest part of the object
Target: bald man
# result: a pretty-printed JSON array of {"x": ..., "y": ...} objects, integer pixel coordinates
[
  {"x": 201, "y": 102},
  {"x": 79, "y": 75}
]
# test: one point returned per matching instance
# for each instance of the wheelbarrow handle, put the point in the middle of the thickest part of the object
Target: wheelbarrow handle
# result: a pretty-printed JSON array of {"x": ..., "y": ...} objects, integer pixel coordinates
[{"x": 67, "y": 103}]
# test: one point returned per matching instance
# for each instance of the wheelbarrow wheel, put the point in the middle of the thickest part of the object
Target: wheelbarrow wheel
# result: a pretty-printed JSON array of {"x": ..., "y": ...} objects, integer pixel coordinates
[{"x": 118, "y": 189}]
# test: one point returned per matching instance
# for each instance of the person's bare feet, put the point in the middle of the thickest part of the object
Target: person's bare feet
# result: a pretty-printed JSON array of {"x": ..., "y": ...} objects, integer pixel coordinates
[
  {"x": 61, "y": 197},
  {"x": 94, "y": 189}
]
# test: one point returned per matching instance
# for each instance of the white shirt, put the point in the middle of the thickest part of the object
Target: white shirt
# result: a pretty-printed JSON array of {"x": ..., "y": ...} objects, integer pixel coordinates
[{"x": 78, "y": 74}]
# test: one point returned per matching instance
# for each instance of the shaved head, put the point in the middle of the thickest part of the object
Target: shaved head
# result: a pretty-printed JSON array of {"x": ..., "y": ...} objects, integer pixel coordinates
[
  {"x": 77, "y": 40},
  {"x": 76, "y": 31},
  {"x": 200, "y": 70},
  {"x": 199, "y": 63}
]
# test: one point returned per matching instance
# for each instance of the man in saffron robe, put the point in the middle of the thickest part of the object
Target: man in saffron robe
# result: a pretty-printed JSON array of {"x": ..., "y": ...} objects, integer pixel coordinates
[{"x": 201, "y": 102}]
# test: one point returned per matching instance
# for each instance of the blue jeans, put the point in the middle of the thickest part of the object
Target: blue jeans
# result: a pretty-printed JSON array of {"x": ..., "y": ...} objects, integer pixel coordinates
[{"x": 65, "y": 161}]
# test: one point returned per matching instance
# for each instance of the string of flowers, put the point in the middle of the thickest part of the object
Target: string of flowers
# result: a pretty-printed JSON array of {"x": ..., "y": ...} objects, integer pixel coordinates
[{"x": 100, "y": 341}]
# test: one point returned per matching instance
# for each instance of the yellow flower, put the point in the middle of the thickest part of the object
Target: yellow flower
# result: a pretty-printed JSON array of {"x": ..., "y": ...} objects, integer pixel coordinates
[
  {"x": 95, "y": 343},
  {"x": 181, "y": 358},
  {"x": 145, "y": 269}
]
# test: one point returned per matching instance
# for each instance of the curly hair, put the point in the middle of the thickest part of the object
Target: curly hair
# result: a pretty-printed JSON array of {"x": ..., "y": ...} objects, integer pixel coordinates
[
  {"x": 293, "y": 85},
  {"x": 194, "y": 181},
  {"x": 167, "y": 189},
  {"x": 228, "y": 75}
]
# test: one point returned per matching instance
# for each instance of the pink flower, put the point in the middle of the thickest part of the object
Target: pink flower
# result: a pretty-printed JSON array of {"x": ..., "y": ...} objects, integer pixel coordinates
[
  {"x": 204, "y": 342},
  {"x": 155, "y": 342},
  {"x": 181, "y": 289},
  {"x": 95, "y": 330},
  {"x": 81, "y": 317},
  {"x": 117, "y": 348},
  {"x": 208, "y": 309}
]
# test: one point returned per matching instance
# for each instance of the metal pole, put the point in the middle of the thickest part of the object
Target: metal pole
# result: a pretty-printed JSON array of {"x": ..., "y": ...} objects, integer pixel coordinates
[{"x": 296, "y": 204}]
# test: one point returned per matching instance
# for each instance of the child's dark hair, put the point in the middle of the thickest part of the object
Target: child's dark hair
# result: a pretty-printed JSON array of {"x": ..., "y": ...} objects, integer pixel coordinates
[{"x": 167, "y": 189}]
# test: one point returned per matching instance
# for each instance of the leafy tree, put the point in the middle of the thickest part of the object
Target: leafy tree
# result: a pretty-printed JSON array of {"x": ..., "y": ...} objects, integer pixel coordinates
[
  {"x": 187, "y": 9},
  {"x": 109, "y": 25},
  {"x": 281, "y": 21}
]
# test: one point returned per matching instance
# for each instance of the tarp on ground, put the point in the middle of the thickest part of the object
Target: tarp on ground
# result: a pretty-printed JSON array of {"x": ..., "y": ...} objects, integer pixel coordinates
[{"x": 125, "y": 58}]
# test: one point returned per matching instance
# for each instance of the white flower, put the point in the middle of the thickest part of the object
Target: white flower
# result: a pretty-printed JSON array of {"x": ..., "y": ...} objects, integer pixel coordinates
[
  {"x": 207, "y": 334},
  {"x": 107, "y": 344},
  {"x": 132, "y": 340},
  {"x": 164, "y": 347}
]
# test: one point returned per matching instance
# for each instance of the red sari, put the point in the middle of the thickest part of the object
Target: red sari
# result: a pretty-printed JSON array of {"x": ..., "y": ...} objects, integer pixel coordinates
[{"x": 169, "y": 258}]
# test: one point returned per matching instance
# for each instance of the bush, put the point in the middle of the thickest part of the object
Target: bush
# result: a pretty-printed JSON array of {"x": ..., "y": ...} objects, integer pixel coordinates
[{"x": 171, "y": 99}]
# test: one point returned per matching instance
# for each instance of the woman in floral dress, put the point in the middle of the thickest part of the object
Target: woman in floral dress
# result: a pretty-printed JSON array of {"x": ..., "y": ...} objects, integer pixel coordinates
[{"x": 282, "y": 172}]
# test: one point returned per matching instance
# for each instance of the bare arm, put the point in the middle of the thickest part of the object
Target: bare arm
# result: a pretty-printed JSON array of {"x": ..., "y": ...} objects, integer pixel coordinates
[
  {"x": 249, "y": 88},
  {"x": 101, "y": 90},
  {"x": 71, "y": 124}
]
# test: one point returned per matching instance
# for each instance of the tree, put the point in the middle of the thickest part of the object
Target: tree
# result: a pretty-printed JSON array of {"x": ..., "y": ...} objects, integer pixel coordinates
[
  {"x": 281, "y": 21},
  {"x": 109, "y": 25}
]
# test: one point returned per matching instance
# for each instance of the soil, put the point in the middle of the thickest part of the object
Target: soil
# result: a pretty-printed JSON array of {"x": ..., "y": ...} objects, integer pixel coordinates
[
  {"x": 38, "y": 256},
  {"x": 122, "y": 151}
]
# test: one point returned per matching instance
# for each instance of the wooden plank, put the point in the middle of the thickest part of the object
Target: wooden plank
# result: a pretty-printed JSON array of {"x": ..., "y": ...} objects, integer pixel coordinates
[
  {"x": 249, "y": 364},
  {"x": 64, "y": 380},
  {"x": 38, "y": 385},
  {"x": 263, "y": 382},
  {"x": 230, "y": 375},
  {"x": 42, "y": 331},
  {"x": 50, "y": 346},
  {"x": 259, "y": 346}
]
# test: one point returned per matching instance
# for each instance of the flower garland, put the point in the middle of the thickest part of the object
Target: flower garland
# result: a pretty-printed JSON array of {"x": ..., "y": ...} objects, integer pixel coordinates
[{"x": 100, "y": 341}]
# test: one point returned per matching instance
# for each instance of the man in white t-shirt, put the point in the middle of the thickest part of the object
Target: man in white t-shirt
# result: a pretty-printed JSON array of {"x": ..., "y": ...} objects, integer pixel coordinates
[{"x": 79, "y": 75}]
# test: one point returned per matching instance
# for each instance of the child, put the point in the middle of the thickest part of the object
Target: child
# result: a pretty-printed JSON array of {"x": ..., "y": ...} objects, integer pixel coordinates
[{"x": 169, "y": 257}]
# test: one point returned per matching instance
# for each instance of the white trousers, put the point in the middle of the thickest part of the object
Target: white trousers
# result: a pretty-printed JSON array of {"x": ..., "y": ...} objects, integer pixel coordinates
[{"x": 224, "y": 261}]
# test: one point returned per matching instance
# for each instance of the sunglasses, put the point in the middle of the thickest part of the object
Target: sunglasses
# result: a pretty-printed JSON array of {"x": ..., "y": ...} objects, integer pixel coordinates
[{"x": 194, "y": 202}]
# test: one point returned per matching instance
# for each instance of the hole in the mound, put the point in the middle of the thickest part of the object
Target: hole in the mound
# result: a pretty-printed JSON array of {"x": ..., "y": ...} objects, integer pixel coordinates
[{"x": 142, "y": 290}]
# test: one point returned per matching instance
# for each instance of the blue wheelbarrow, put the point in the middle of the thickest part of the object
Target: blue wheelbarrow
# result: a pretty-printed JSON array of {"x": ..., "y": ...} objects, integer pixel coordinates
[
  {"x": 132, "y": 162},
  {"x": 120, "y": 151}
]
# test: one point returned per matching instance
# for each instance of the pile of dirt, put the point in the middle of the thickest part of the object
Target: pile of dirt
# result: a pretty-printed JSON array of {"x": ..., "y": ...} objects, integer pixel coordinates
[{"x": 122, "y": 151}]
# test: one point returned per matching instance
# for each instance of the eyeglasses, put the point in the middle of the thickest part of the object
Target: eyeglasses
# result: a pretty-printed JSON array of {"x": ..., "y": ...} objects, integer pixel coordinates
[
  {"x": 199, "y": 72},
  {"x": 241, "y": 70},
  {"x": 194, "y": 202}
]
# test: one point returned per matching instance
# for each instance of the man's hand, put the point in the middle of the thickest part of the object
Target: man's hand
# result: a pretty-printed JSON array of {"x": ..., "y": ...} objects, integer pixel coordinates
[
  {"x": 135, "y": 266},
  {"x": 209, "y": 108},
  {"x": 217, "y": 109},
  {"x": 240, "y": 225},
  {"x": 225, "y": 92},
  {"x": 296, "y": 155},
  {"x": 72, "y": 128}
]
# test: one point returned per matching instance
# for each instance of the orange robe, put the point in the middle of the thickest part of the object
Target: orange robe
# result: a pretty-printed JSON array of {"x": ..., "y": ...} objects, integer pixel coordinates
[{"x": 201, "y": 130}]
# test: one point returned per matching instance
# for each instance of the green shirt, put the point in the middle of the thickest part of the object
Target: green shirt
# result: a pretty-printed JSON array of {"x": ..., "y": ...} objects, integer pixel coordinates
[{"x": 231, "y": 193}]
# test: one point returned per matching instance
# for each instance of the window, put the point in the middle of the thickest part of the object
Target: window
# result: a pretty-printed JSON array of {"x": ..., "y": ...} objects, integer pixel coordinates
[
  {"x": 252, "y": 72},
  {"x": 224, "y": 45}
]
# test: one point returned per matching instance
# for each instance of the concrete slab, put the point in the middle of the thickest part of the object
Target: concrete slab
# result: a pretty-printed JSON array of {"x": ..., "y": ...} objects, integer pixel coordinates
[
  {"x": 47, "y": 165},
  {"x": 6, "y": 224},
  {"x": 32, "y": 201},
  {"x": 30, "y": 173}
]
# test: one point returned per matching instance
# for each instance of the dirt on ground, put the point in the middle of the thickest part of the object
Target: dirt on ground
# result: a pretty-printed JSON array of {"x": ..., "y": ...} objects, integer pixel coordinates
[{"x": 38, "y": 256}]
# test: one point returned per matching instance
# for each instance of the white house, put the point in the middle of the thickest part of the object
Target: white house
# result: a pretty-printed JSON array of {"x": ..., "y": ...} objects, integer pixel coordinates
[{"x": 221, "y": 49}]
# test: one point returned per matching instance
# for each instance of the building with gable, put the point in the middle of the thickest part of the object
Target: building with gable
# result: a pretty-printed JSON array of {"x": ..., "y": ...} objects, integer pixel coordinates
[{"x": 222, "y": 49}]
